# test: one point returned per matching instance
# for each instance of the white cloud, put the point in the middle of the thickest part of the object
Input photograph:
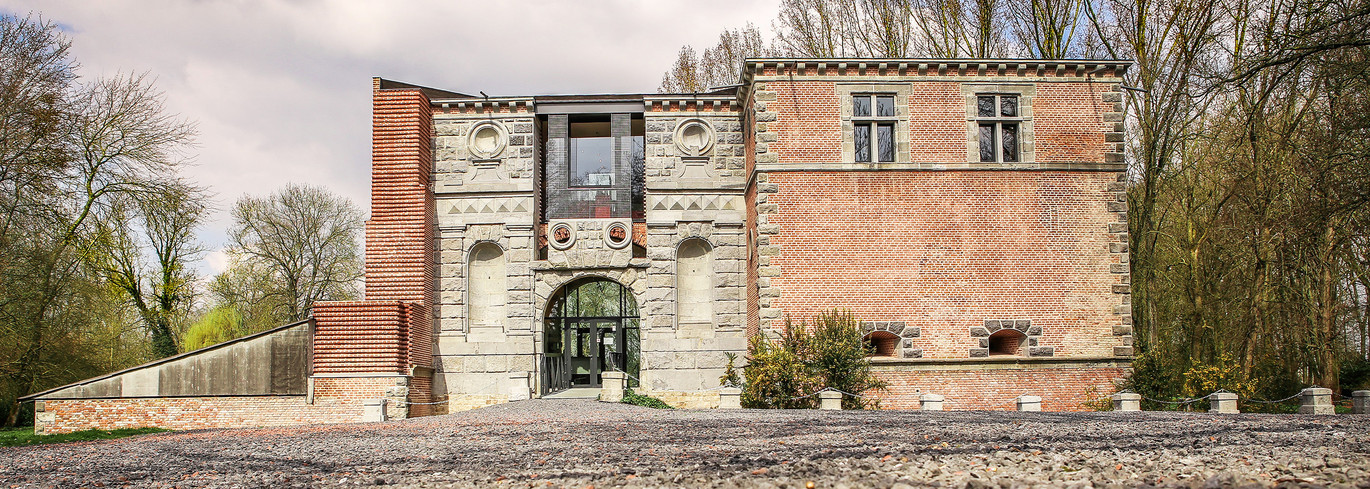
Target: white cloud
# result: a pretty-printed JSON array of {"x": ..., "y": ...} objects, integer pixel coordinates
[{"x": 280, "y": 90}]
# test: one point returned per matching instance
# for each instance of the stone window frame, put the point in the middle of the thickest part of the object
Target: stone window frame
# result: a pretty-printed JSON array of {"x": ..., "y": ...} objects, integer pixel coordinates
[
  {"x": 1025, "y": 92},
  {"x": 901, "y": 92},
  {"x": 466, "y": 289},
  {"x": 713, "y": 279}
]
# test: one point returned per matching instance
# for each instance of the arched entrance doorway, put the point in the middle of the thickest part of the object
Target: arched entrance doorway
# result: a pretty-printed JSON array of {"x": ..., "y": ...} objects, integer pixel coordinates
[{"x": 591, "y": 327}]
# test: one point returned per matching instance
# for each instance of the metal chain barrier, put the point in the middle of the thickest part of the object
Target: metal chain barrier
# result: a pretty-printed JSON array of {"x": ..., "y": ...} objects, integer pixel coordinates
[{"x": 1277, "y": 401}]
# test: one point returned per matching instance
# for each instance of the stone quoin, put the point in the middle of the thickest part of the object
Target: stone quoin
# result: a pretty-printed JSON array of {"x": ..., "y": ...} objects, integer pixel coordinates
[{"x": 971, "y": 213}]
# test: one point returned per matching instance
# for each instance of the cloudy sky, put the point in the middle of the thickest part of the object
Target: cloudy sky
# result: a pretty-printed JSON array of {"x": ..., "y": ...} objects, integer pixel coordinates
[{"x": 280, "y": 91}]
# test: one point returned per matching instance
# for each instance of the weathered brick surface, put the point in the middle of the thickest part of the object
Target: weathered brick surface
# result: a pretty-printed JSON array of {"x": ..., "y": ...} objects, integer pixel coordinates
[
  {"x": 189, "y": 413},
  {"x": 361, "y": 337},
  {"x": 945, "y": 251},
  {"x": 1061, "y": 389}
]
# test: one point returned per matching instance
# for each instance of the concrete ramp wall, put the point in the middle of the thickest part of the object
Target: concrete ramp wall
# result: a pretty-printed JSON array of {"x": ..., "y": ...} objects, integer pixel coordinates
[{"x": 274, "y": 362}]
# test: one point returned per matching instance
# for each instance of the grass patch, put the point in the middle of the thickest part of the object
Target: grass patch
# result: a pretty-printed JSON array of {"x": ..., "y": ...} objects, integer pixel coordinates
[
  {"x": 630, "y": 397},
  {"x": 17, "y": 437}
]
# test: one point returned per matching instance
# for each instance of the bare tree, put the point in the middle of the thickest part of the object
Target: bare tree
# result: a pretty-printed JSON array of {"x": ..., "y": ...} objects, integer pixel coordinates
[
  {"x": 719, "y": 65},
  {"x": 69, "y": 153},
  {"x": 152, "y": 271},
  {"x": 307, "y": 238}
]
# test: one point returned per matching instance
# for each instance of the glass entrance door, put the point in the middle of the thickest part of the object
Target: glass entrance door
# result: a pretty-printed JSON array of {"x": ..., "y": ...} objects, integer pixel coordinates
[{"x": 591, "y": 328}]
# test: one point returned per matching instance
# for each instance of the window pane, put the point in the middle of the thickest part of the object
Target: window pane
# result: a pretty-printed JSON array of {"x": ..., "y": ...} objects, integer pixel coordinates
[
  {"x": 1010, "y": 142},
  {"x": 884, "y": 106},
  {"x": 884, "y": 136},
  {"x": 1008, "y": 106},
  {"x": 861, "y": 106},
  {"x": 592, "y": 162},
  {"x": 985, "y": 105},
  {"x": 862, "y": 136},
  {"x": 987, "y": 142}
]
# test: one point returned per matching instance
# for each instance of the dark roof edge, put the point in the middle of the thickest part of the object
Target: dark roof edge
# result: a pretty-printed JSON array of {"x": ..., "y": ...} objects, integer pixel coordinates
[
  {"x": 167, "y": 359},
  {"x": 430, "y": 92}
]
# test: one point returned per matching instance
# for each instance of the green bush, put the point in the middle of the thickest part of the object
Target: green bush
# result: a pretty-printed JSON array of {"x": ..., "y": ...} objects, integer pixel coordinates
[
  {"x": 786, "y": 372},
  {"x": 630, "y": 397}
]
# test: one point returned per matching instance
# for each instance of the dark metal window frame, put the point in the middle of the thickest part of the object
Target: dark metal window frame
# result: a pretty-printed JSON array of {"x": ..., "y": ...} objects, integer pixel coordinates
[{"x": 872, "y": 123}]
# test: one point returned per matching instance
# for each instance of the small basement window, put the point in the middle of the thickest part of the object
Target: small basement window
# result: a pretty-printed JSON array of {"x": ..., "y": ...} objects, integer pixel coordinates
[
  {"x": 1006, "y": 342},
  {"x": 881, "y": 344}
]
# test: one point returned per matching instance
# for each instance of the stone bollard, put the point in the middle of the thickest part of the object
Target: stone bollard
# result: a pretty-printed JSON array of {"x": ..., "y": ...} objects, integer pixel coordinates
[
  {"x": 1316, "y": 400},
  {"x": 830, "y": 401},
  {"x": 1029, "y": 403},
  {"x": 519, "y": 388},
  {"x": 611, "y": 388},
  {"x": 1127, "y": 401},
  {"x": 730, "y": 398},
  {"x": 931, "y": 402},
  {"x": 1223, "y": 403},
  {"x": 374, "y": 410},
  {"x": 1360, "y": 402}
]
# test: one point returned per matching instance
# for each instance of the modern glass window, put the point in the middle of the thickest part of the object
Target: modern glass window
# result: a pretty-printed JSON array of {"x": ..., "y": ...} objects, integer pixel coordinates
[
  {"x": 592, "y": 162},
  {"x": 999, "y": 122},
  {"x": 873, "y": 124}
]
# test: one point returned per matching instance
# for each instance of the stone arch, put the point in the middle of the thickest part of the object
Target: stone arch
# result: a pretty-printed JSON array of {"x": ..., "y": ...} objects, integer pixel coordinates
[
  {"x": 901, "y": 333},
  {"x": 694, "y": 281},
  {"x": 487, "y": 289},
  {"x": 1006, "y": 342}
]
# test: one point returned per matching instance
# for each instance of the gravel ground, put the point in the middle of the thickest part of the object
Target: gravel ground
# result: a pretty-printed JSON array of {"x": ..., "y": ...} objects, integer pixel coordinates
[{"x": 576, "y": 443}]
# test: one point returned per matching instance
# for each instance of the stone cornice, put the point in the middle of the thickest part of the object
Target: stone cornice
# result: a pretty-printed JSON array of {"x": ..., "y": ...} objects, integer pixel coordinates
[{"x": 874, "y": 69}]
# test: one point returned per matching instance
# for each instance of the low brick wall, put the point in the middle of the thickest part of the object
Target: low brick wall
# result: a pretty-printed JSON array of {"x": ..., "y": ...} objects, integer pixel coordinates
[
  {"x": 189, "y": 413},
  {"x": 1064, "y": 385}
]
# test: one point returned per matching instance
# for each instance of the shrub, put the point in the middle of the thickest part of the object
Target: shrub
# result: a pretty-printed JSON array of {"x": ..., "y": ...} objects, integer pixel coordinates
[
  {"x": 785, "y": 372},
  {"x": 630, "y": 397}
]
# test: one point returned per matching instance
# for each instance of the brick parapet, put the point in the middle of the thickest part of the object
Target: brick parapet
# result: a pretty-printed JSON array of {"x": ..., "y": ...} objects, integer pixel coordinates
[
  {"x": 190, "y": 413},
  {"x": 987, "y": 387}
]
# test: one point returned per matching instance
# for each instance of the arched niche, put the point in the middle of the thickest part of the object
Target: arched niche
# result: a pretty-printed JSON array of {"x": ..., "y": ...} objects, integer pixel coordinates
[
  {"x": 694, "y": 282},
  {"x": 486, "y": 286}
]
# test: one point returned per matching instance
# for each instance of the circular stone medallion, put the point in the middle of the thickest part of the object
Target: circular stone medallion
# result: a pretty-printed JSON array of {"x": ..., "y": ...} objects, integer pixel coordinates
[
  {"x": 617, "y": 235},
  {"x": 487, "y": 140},
  {"x": 561, "y": 236},
  {"x": 694, "y": 137}
]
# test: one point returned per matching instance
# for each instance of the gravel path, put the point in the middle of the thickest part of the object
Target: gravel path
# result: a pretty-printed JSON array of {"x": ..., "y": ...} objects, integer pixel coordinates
[{"x": 575, "y": 443}]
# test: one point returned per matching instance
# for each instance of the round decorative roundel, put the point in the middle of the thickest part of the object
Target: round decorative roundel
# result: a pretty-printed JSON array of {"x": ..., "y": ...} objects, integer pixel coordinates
[
  {"x": 694, "y": 137},
  {"x": 487, "y": 140},
  {"x": 617, "y": 235},
  {"x": 561, "y": 236}
]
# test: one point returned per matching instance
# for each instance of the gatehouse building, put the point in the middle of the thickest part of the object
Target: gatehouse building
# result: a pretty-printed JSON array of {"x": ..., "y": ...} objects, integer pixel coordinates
[{"x": 971, "y": 213}]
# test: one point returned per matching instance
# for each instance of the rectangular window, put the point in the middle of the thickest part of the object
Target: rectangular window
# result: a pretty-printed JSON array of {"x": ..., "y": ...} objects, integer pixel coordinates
[
  {"x": 998, "y": 124},
  {"x": 874, "y": 122},
  {"x": 884, "y": 136},
  {"x": 592, "y": 162},
  {"x": 861, "y": 134}
]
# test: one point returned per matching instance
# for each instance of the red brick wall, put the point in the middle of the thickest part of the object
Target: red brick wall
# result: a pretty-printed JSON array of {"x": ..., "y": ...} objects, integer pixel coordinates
[
  {"x": 399, "y": 237},
  {"x": 807, "y": 122},
  {"x": 938, "y": 131},
  {"x": 946, "y": 251},
  {"x": 1061, "y": 389},
  {"x": 189, "y": 413},
  {"x": 361, "y": 337},
  {"x": 1068, "y": 122}
]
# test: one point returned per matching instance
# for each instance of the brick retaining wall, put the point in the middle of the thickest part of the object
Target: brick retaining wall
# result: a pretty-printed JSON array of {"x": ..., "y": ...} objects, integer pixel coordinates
[{"x": 190, "y": 413}]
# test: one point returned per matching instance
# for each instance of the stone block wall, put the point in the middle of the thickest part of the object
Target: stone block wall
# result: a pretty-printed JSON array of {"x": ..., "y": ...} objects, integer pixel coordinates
[{"x": 483, "y": 198}]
